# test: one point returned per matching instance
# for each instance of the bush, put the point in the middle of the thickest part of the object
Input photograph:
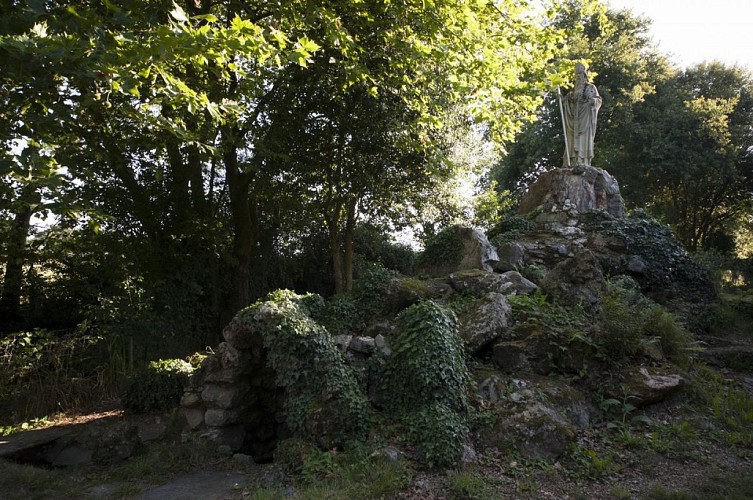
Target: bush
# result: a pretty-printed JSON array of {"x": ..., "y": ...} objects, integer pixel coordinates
[
  {"x": 565, "y": 327},
  {"x": 43, "y": 371},
  {"x": 510, "y": 228},
  {"x": 428, "y": 352},
  {"x": 445, "y": 248},
  {"x": 622, "y": 321},
  {"x": 374, "y": 245},
  {"x": 158, "y": 387},
  {"x": 346, "y": 311}
]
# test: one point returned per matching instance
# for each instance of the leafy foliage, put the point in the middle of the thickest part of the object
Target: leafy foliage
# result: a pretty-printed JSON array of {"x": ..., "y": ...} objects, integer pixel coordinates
[
  {"x": 565, "y": 328},
  {"x": 629, "y": 323},
  {"x": 360, "y": 471},
  {"x": 159, "y": 386},
  {"x": 444, "y": 248},
  {"x": 673, "y": 275},
  {"x": 43, "y": 371},
  {"x": 343, "y": 312},
  {"x": 435, "y": 405},
  {"x": 509, "y": 228}
]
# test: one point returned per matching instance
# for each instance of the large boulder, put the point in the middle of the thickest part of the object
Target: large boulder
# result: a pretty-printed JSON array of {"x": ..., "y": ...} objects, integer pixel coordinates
[
  {"x": 563, "y": 189},
  {"x": 402, "y": 292},
  {"x": 484, "y": 321}
]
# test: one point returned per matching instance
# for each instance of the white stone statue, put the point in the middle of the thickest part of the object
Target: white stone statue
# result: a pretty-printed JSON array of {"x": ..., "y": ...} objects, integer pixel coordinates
[{"x": 580, "y": 107}]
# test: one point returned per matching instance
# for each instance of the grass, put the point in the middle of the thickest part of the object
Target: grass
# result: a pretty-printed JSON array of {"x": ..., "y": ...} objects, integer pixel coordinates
[
  {"x": 718, "y": 486},
  {"x": 469, "y": 485}
]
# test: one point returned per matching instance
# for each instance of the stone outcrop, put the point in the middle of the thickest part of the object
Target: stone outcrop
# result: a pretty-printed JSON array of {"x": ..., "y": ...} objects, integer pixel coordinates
[
  {"x": 577, "y": 280},
  {"x": 569, "y": 213},
  {"x": 235, "y": 399},
  {"x": 537, "y": 416},
  {"x": 561, "y": 190},
  {"x": 576, "y": 233},
  {"x": 478, "y": 282},
  {"x": 484, "y": 321},
  {"x": 232, "y": 399}
]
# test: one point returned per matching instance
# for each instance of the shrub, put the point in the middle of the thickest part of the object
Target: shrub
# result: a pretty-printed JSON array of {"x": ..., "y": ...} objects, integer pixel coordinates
[
  {"x": 622, "y": 322},
  {"x": 434, "y": 405},
  {"x": 158, "y": 387},
  {"x": 345, "y": 311},
  {"x": 43, "y": 371},
  {"x": 445, "y": 248},
  {"x": 375, "y": 245},
  {"x": 565, "y": 327},
  {"x": 509, "y": 229}
]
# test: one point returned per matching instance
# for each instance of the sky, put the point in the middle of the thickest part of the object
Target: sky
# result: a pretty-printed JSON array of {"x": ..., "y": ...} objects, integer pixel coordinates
[{"x": 693, "y": 31}]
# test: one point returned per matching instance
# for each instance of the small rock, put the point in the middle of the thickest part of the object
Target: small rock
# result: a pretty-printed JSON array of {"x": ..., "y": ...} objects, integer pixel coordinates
[
  {"x": 468, "y": 456},
  {"x": 381, "y": 344},
  {"x": 637, "y": 265},
  {"x": 218, "y": 417},
  {"x": 190, "y": 399},
  {"x": 364, "y": 345},
  {"x": 484, "y": 321},
  {"x": 223, "y": 396},
  {"x": 511, "y": 257},
  {"x": 646, "y": 386},
  {"x": 194, "y": 417},
  {"x": 390, "y": 453},
  {"x": 343, "y": 341},
  {"x": 520, "y": 285}
]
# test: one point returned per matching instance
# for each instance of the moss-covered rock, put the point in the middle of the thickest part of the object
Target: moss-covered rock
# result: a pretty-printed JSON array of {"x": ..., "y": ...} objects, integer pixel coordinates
[
  {"x": 484, "y": 321},
  {"x": 536, "y": 416}
]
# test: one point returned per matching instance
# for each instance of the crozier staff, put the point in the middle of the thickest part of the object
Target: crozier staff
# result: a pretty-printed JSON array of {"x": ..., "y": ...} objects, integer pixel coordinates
[{"x": 581, "y": 105}]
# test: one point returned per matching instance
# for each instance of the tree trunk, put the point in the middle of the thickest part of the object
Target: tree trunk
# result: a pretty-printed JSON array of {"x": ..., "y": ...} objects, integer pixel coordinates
[
  {"x": 10, "y": 301},
  {"x": 333, "y": 227},
  {"x": 243, "y": 210},
  {"x": 350, "y": 226}
]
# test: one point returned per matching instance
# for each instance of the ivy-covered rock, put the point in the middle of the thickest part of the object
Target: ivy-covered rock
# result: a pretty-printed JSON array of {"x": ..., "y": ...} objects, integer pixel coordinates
[
  {"x": 427, "y": 382},
  {"x": 322, "y": 398},
  {"x": 653, "y": 256},
  {"x": 642, "y": 386}
]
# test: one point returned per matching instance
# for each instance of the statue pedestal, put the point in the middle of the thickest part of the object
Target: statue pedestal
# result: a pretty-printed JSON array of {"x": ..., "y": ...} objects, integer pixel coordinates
[{"x": 568, "y": 190}]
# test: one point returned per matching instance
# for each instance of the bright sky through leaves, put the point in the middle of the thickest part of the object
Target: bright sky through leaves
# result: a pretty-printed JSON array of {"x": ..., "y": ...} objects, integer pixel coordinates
[{"x": 693, "y": 31}]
